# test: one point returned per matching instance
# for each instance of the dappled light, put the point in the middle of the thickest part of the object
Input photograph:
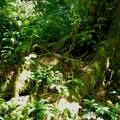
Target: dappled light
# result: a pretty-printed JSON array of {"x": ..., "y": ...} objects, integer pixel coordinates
[{"x": 59, "y": 60}]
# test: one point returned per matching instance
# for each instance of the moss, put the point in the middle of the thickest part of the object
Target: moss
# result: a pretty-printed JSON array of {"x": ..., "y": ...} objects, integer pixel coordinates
[{"x": 39, "y": 49}]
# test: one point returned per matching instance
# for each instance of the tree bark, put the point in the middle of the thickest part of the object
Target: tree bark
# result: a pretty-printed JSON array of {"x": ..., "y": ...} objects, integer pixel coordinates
[
  {"x": 95, "y": 71},
  {"x": 94, "y": 74}
]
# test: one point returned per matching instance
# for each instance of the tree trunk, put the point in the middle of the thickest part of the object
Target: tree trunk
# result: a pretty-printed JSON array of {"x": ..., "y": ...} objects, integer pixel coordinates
[
  {"x": 95, "y": 73},
  {"x": 96, "y": 70}
]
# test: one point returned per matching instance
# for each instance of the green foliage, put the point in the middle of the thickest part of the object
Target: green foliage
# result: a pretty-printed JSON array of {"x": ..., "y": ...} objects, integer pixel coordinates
[
  {"x": 97, "y": 111},
  {"x": 34, "y": 109},
  {"x": 95, "y": 17},
  {"x": 42, "y": 23},
  {"x": 62, "y": 17},
  {"x": 40, "y": 109},
  {"x": 23, "y": 26},
  {"x": 47, "y": 79},
  {"x": 15, "y": 30}
]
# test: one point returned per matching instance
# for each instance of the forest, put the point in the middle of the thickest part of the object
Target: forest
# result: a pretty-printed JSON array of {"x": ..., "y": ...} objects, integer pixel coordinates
[{"x": 60, "y": 60}]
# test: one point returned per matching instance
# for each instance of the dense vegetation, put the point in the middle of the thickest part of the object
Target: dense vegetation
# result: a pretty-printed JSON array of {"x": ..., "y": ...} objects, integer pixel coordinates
[{"x": 48, "y": 49}]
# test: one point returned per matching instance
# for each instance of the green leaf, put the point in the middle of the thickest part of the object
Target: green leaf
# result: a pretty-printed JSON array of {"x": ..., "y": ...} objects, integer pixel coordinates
[
  {"x": 89, "y": 116},
  {"x": 26, "y": 23},
  {"x": 49, "y": 80},
  {"x": 77, "y": 81},
  {"x": 2, "y": 101},
  {"x": 7, "y": 118},
  {"x": 89, "y": 102},
  {"x": 102, "y": 109}
]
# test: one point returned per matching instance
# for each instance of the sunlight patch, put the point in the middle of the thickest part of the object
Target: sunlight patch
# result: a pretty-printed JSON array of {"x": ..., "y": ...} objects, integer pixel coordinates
[{"x": 72, "y": 107}]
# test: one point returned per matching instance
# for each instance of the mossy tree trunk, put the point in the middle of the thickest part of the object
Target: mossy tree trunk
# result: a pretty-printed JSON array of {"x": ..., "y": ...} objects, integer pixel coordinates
[{"x": 95, "y": 72}]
